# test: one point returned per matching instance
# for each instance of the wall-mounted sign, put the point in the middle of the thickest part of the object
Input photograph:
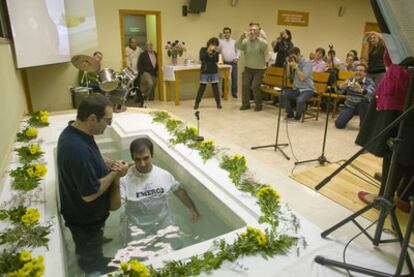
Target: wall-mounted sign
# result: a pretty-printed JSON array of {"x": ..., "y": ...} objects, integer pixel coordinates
[{"x": 292, "y": 18}]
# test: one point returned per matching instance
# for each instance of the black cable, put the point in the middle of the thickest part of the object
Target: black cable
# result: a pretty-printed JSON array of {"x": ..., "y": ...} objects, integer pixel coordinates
[{"x": 349, "y": 242}]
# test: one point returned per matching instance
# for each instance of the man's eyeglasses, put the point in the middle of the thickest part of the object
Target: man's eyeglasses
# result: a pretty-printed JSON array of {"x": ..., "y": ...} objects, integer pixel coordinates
[{"x": 108, "y": 120}]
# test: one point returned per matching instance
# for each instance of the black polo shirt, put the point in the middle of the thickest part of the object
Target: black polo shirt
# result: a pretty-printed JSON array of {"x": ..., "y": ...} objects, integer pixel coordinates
[{"x": 80, "y": 166}]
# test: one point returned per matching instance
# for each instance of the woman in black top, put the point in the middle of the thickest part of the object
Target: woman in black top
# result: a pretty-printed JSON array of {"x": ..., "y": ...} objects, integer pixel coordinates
[
  {"x": 375, "y": 56},
  {"x": 209, "y": 57},
  {"x": 282, "y": 47}
]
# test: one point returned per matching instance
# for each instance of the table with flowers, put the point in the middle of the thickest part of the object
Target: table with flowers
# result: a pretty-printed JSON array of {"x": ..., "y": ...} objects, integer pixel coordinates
[{"x": 171, "y": 75}]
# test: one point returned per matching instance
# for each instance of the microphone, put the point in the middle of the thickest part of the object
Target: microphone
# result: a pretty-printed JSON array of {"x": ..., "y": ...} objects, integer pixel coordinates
[{"x": 198, "y": 138}]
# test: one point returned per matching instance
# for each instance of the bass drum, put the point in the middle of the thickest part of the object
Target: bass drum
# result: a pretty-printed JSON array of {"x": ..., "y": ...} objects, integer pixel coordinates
[{"x": 107, "y": 80}]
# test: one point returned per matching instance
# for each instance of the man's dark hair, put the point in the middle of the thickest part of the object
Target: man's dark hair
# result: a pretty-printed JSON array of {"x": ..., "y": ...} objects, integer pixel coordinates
[
  {"x": 294, "y": 51},
  {"x": 93, "y": 104},
  {"x": 355, "y": 54},
  {"x": 226, "y": 29},
  {"x": 213, "y": 41},
  {"x": 139, "y": 145},
  {"x": 320, "y": 49},
  {"x": 97, "y": 52}
]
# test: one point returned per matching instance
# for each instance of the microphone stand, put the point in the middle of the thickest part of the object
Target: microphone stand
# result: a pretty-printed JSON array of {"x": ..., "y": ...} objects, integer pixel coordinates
[
  {"x": 198, "y": 138},
  {"x": 277, "y": 145},
  {"x": 322, "y": 159}
]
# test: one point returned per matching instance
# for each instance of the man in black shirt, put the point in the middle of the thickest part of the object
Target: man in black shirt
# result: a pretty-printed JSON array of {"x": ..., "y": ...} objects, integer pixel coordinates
[{"x": 88, "y": 181}]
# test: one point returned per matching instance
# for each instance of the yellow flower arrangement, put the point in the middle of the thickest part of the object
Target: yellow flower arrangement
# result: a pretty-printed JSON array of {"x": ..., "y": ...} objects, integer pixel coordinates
[
  {"x": 31, "y": 216},
  {"x": 31, "y": 267},
  {"x": 34, "y": 148},
  {"x": 25, "y": 256},
  {"x": 31, "y": 132},
  {"x": 39, "y": 119},
  {"x": 29, "y": 153},
  {"x": 27, "y": 134},
  {"x": 132, "y": 268},
  {"x": 28, "y": 176},
  {"x": 268, "y": 191}
]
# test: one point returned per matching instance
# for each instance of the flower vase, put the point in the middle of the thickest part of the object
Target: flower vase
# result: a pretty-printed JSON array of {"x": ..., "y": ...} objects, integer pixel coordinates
[{"x": 174, "y": 60}]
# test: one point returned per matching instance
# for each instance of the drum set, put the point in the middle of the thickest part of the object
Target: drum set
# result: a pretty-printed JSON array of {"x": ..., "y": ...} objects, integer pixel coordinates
[{"x": 116, "y": 86}]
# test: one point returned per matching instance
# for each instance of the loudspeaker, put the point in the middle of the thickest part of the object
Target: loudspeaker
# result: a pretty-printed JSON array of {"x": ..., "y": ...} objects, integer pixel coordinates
[{"x": 184, "y": 10}]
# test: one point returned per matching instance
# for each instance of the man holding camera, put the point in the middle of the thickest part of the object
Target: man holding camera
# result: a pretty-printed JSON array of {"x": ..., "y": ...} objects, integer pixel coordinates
[
  {"x": 303, "y": 88},
  {"x": 359, "y": 91},
  {"x": 255, "y": 51}
]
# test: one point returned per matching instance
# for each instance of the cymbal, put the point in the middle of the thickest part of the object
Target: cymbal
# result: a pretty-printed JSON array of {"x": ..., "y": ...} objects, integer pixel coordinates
[{"x": 85, "y": 63}]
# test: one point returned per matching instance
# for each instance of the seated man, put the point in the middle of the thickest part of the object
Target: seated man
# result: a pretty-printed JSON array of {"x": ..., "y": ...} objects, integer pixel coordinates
[
  {"x": 359, "y": 91},
  {"x": 303, "y": 88},
  {"x": 318, "y": 63},
  {"x": 148, "y": 223}
]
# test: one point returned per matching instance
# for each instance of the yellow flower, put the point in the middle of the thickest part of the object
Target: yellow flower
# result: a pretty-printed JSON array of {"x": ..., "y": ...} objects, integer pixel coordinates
[
  {"x": 31, "y": 132},
  {"x": 249, "y": 229},
  {"x": 243, "y": 234},
  {"x": 30, "y": 172},
  {"x": 124, "y": 267},
  {"x": 237, "y": 157},
  {"x": 261, "y": 239},
  {"x": 40, "y": 170},
  {"x": 26, "y": 269},
  {"x": 139, "y": 268},
  {"x": 34, "y": 148},
  {"x": 25, "y": 256},
  {"x": 193, "y": 131},
  {"x": 44, "y": 119},
  {"x": 31, "y": 216},
  {"x": 268, "y": 190},
  {"x": 43, "y": 113}
]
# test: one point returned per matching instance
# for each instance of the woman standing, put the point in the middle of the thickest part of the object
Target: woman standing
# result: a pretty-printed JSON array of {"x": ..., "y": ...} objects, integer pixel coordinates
[
  {"x": 387, "y": 105},
  {"x": 374, "y": 55},
  {"x": 209, "y": 57},
  {"x": 282, "y": 46}
]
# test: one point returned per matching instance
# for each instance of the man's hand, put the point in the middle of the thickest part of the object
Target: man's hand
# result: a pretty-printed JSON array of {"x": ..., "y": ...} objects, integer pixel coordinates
[
  {"x": 243, "y": 36},
  {"x": 358, "y": 87},
  {"x": 120, "y": 167}
]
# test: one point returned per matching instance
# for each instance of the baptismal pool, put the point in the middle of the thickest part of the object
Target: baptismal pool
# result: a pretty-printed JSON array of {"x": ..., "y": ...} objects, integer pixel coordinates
[{"x": 216, "y": 219}]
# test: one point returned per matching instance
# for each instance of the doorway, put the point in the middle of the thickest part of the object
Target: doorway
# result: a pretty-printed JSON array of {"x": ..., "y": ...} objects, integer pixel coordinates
[{"x": 145, "y": 26}]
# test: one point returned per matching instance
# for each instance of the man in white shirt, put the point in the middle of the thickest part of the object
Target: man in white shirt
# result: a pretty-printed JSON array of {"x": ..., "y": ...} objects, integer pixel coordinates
[
  {"x": 231, "y": 57},
  {"x": 132, "y": 52},
  {"x": 144, "y": 192}
]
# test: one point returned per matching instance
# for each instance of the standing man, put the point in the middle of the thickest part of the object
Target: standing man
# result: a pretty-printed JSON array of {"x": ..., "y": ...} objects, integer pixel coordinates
[
  {"x": 88, "y": 182},
  {"x": 231, "y": 57},
  {"x": 148, "y": 70},
  {"x": 303, "y": 88},
  {"x": 132, "y": 53},
  {"x": 359, "y": 91},
  {"x": 255, "y": 51}
]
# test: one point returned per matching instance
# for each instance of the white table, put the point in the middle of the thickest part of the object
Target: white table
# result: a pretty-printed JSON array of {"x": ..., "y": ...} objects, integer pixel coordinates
[{"x": 171, "y": 74}]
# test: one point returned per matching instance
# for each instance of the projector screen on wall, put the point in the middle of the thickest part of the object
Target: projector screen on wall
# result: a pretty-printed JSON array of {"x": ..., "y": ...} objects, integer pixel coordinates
[{"x": 40, "y": 33}]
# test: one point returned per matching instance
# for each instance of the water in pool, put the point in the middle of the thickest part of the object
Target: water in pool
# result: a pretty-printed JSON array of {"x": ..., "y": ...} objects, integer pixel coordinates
[{"x": 177, "y": 232}]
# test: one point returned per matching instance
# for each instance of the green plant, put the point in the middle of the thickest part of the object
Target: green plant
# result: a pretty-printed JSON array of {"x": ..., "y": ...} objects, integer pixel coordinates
[
  {"x": 29, "y": 153},
  {"x": 38, "y": 119},
  {"x": 269, "y": 205},
  {"x": 26, "y": 230},
  {"x": 27, "y": 177},
  {"x": 15, "y": 264},
  {"x": 172, "y": 124},
  {"x": 184, "y": 135},
  {"x": 236, "y": 166},
  {"x": 207, "y": 149},
  {"x": 160, "y": 116},
  {"x": 27, "y": 134}
]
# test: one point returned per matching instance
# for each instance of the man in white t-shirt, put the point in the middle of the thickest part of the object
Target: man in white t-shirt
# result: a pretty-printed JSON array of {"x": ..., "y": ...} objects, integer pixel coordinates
[
  {"x": 144, "y": 192},
  {"x": 132, "y": 52}
]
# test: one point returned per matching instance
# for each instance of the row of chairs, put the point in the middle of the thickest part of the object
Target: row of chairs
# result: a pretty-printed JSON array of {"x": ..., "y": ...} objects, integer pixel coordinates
[{"x": 272, "y": 83}]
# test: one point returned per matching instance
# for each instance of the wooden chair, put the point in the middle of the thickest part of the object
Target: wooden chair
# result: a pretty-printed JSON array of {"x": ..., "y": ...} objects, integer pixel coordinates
[
  {"x": 336, "y": 97},
  {"x": 320, "y": 81},
  {"x": 272, "y": 81}
]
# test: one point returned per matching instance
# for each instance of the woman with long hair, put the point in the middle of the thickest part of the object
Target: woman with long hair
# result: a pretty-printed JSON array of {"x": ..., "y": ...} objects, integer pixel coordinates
[
  {"x": 282, "y": 46},
  {"x": 374, "y": 55}
]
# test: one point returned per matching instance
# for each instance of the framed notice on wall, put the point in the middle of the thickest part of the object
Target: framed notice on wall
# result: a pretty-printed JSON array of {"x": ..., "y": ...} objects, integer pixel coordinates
[{"x": 292, "y": 18}]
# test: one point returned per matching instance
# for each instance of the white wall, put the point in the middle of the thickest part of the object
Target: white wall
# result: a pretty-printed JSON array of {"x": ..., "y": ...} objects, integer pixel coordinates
[{"x": 49, "y": 84}]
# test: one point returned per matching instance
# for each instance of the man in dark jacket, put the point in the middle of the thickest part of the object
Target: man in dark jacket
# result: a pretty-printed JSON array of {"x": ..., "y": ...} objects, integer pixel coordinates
[{"x": 147, "y": 71}]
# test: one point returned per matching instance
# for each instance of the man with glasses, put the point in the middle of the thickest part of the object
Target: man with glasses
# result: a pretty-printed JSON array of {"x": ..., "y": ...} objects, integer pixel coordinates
[
  {"x": 231, "y": 57},
  {"x": 88, "y": 182}
]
